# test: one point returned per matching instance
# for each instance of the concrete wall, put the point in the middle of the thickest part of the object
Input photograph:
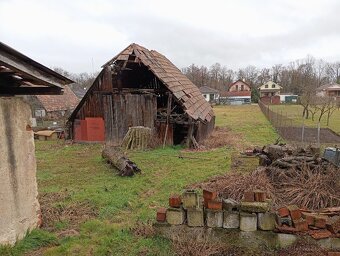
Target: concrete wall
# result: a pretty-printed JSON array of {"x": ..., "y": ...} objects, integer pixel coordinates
[{"x": 19, "y": 206}]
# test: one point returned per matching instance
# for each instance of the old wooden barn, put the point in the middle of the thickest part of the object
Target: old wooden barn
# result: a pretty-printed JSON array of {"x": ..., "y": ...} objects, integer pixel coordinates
[{"x": 139, "y": 87}]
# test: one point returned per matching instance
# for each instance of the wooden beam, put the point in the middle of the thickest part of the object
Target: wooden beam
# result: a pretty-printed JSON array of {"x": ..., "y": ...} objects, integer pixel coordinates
[
  {"x": 27, "y": 70},
  {"x": 7, "y": 90}
]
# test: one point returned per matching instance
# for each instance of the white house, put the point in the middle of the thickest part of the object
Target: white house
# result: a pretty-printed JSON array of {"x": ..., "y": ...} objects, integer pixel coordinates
[{"x": 210, "y": 94}]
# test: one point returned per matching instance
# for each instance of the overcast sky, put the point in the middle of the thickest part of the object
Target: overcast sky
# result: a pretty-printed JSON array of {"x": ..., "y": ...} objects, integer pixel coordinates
[{"x": 81, "y": 35}]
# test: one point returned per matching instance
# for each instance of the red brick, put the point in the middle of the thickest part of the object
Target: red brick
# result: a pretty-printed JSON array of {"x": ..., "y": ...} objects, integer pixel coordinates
[
  {"x": 320, "y": 222},
  {"x": 214, "y": 205},
  {"x": 300, "y": 225},
  {"x": 161, "y": 215},
  {"x": 286, "y": 229},
  {"x": 175, "y": 201},
  {"x": 260, "y": 196},
  {"x": 209, "y": 195},
  {"x": 319, "y": 234},
  {"x": 248, "y": 196},
  {"x": 294, "y": 212},
  {"x": 283, "y": 212},
  {"x": 309, "y": 218}
]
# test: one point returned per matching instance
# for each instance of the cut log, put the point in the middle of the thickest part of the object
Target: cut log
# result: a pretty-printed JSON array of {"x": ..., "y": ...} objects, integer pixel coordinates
[{"x": 115, "y": 157}]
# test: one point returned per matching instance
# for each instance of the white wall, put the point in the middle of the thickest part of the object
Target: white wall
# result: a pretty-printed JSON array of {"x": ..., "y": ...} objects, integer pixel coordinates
[{"x": 19, "y": 206}]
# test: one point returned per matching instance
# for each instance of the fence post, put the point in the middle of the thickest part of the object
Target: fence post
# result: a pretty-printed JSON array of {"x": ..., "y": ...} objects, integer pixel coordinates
[
  {"x": 318, "y": 134},
  {"x": 303, "y": 132}
]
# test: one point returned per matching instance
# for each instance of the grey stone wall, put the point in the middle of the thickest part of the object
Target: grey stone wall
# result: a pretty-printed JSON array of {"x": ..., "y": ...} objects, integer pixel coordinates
[{"x": 19, "y": 206}]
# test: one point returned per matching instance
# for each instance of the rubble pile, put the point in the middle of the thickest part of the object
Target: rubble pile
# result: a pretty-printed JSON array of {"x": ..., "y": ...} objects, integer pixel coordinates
[{"x": 253, "y": 212}]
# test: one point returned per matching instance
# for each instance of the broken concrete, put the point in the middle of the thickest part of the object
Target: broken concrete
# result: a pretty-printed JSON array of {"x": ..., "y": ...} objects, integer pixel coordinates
[
  {"x": 195, "y": 217},
  {"x": 231, "y": 220},
  {"x": 214, "y": 218},
  {"x": 248, "y": 221},
  {"x": 175, "y": 216},
  {"x": 254, "y": 206},
  {"x": 19, "y": 206},
  {"x": 266, "y": 221},
  {"x": 189, "y": 199}
]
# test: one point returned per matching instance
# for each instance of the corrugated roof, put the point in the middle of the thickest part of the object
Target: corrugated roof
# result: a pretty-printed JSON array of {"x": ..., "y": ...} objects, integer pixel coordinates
[
  {"x": 66, "y": 101},
  {"x": 182, "y": 88}
]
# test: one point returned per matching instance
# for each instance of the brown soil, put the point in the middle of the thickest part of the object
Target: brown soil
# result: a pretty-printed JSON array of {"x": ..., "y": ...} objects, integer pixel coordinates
[{"x": 310, "y": 134}]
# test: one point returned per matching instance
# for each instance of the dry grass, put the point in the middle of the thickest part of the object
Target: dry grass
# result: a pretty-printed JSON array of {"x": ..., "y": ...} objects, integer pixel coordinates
[
  {"x": 197, "y": 243},
  {"x": 314, "y": 189},
  {"x": 145, "y": 230},
  {"x": 221, "y": 137},
  {"x": 73, "y": 213},
  {"x": 302, "y": 248}
]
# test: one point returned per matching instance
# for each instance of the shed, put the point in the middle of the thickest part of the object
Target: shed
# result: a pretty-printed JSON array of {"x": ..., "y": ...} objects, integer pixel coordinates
[
  {"x": 141, "y": 87},
  {"x": 210, "y": 94},
  {"x": 19, "y": 206}
]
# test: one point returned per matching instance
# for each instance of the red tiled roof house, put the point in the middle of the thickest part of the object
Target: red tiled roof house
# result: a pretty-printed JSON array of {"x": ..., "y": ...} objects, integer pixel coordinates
[{"x": 238, "y": 92}]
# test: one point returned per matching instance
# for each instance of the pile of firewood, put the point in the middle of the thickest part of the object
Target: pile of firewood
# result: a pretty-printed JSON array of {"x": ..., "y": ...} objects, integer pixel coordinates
[{"x": 285, "y": 157}]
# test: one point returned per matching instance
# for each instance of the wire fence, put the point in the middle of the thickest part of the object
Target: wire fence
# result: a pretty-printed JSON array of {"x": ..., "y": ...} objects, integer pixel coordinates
[{"x": 295, "y": 130}]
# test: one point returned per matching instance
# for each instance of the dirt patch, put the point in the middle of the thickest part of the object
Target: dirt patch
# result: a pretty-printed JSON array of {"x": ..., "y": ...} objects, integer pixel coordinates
[
  {"x": 310, "y": 134},
  {"x": 56, "y": 208},
  {"x": 221, "y": 137}
]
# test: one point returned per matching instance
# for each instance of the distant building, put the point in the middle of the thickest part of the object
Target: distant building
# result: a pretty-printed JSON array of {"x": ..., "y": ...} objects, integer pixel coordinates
[
  {"x": 237, "y": 93},
  {"x": 332, "y": 90},
  {"x": 270, "y": 93},
  {"x": 210, "y": 94},
  {"x": 53, "y": 107},
  {"x": 288, "y": 98}
]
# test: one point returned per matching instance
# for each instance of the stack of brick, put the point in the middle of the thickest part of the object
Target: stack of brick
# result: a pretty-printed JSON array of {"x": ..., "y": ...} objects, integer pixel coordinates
[
  {"x": 291, "y": 219},
  {"x": 255, "y": 212}
]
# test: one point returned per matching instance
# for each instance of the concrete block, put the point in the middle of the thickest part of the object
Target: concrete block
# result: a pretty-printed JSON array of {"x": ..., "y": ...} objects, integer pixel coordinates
[
  {"x": 254, "y": 207},
  {"x": 284, "y": 220},
  {"x": 266, "y": 221},
  {"x": 230, "y": 205},
  {"x": 285, "y": 240},
  {"x": 175, "y": 216},
  {"x": 231, "y": 219},
  {"x": 214, "y": 218},
  {"x": 190, "y": 199},
  {"x": 195, "y": 217},
  {"x": 248, "y": 221}
]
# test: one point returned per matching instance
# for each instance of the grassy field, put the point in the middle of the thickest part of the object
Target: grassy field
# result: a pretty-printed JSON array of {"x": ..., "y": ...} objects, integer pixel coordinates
[
  {"x": 295, "y": 112},
  {"x": 104, "y": 209}
]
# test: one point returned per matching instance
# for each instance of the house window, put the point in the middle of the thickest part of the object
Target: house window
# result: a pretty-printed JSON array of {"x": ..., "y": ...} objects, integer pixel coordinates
[
  {"x": 242, "y": 87},
  {"x": 39, "y": 113},
  {"x": 236, "y": 87},
  {"x": 273, "y": 85},
  {"x": 266, "y": 86}
]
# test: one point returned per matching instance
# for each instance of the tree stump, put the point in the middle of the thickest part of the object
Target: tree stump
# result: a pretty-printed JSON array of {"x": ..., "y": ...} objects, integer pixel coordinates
[
  {"x": 116, "y": 158},
  {"x": 137, "y": 137}
]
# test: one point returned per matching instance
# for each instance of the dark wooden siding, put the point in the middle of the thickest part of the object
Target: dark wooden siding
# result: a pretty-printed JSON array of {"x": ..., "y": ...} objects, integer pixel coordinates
[
  {"x": 122, "y": 111},
  {"x": 204, "y": 129}
]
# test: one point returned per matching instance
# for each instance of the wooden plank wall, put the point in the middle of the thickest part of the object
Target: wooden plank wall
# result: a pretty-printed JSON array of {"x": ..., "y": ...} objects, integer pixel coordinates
[
  {"x": 204, "y": 130},
  {"x": 125, "y": 110}
]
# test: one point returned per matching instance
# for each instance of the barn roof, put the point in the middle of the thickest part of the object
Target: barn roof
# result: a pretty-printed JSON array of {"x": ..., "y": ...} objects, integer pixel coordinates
[
  {"x": 68, "y": 100},
  {"x": 182, "y": 88},
  {"x": 20, "y": 74}
]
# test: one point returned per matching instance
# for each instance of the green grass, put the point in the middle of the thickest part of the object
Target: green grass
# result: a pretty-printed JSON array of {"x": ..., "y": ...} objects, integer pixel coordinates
[
  {"x": 295, "y": 112},
  {"x": 79, "y": 172},
  {"x": 247, "y": 121}
]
